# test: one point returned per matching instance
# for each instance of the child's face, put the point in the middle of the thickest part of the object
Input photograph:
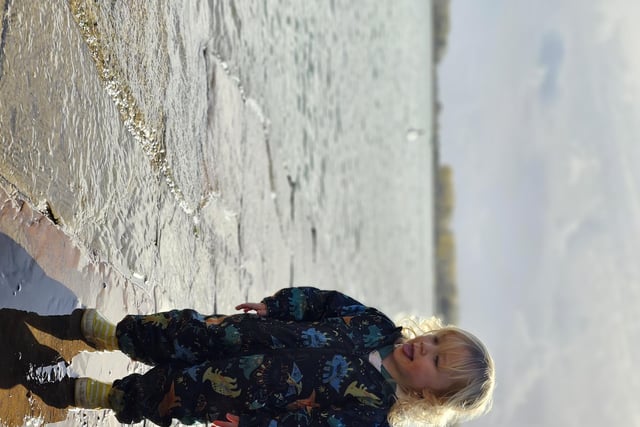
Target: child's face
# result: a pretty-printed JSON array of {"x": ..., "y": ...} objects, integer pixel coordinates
[{"x": 421, "y": 363}]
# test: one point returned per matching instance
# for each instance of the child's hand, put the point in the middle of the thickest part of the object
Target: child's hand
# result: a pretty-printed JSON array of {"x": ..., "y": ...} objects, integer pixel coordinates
[
  {"x": 259, "y": 308},
  {"x": 233, "y": 421}
]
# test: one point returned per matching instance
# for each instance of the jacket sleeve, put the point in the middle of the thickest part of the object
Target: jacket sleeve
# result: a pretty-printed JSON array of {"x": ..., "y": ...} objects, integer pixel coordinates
[
  {"x": 357, "y": 416},
  {"x": 310, "y": 304}
]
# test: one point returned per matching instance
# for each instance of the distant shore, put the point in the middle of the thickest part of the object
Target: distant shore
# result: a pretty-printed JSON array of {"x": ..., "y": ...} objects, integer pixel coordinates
[{"x": 446, "y": 303}]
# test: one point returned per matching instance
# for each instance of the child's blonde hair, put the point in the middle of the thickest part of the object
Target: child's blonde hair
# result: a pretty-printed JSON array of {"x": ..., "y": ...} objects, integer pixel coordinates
[{"x": 474, "y": 380}]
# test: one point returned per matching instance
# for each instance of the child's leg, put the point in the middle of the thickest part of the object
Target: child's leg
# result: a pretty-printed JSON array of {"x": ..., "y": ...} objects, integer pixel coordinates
[
  {"x": 187, "y": 336},
  {"x": 177, "y": 335},
  {"x": 207, "y": 391},
  {"x": 201, "y": 393}
]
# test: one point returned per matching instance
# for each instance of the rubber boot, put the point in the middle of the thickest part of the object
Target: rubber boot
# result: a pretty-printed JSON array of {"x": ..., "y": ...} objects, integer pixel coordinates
[
  {"x": 98, "y": 331},
  {"x": 91, "y": 394}
]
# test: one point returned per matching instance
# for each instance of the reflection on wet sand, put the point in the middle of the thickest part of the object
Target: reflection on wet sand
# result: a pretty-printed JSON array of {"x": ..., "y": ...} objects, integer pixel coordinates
[{"x": 31, "y": 348}]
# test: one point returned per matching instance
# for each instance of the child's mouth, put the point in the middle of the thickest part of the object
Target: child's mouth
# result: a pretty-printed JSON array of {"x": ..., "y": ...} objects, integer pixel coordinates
[{"x": 407, "y": 349}]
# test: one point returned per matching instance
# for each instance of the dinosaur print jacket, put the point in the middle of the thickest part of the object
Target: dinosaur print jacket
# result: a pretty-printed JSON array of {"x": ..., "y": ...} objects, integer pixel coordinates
[{"x": 306, "y": 363}]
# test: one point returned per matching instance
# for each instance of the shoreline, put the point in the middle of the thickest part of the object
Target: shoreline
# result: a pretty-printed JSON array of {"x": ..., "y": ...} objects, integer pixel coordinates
[{"x": 445, "y": 286}]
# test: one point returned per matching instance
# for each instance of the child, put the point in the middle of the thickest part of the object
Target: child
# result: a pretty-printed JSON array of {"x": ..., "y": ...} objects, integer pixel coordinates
[{"x": 307, "y": 357}]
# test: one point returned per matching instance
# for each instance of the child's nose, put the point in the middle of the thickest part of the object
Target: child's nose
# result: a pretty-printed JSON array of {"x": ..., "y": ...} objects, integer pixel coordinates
[{"x": 428, "y": 345}]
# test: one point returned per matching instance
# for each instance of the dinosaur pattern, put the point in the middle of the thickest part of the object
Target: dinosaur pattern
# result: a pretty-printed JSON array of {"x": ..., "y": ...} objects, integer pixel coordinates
[
  {"x": 304, "y": 364},
  {"x": 227, "y": 386}
]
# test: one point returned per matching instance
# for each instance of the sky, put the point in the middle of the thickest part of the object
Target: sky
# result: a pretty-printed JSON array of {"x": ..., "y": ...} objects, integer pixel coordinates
[{"x": 541, "y": 124}]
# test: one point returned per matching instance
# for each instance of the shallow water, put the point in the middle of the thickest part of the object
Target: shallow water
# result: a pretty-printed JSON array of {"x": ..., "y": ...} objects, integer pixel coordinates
[{"x": 212, "y": 152}]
